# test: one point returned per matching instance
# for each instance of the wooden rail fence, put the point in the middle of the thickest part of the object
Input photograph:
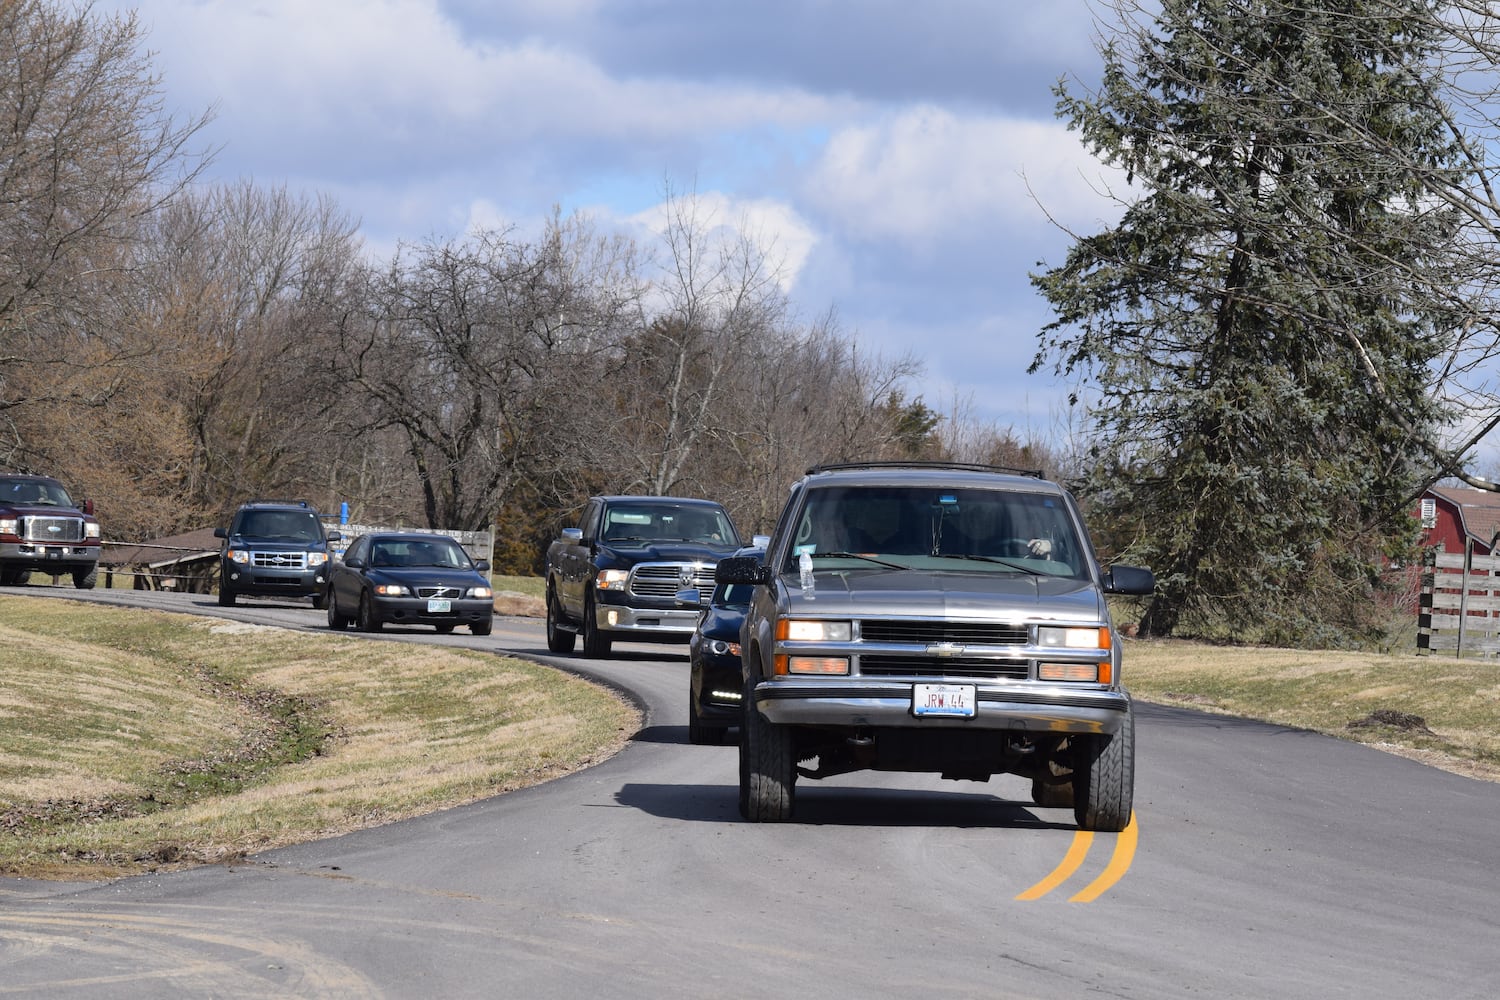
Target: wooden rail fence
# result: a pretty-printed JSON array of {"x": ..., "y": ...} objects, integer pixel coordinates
[{"x": 1459, "y": 608}]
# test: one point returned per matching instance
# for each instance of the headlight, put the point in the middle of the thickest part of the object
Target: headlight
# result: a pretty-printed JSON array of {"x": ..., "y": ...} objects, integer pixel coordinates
[
  {"x": 612, "y": 579},
  {"x": 801, "y": 630},
  {"x": 481, "y": 592},
  {"x": 239, "y": 556},
  {"x": 9, "y": 526},
  {"x": 719, "y": 647},
  {"x": 317, "y": 558},
  {"x": 1059, "y": 637},
  {"x": 90, "y": 529},
  {"x": 391, "y": 590}
]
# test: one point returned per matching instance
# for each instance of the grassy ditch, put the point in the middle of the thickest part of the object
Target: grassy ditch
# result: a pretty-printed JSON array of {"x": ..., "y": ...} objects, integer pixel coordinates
[
  {"x": 132, "y": 741},
  {"x": 1441, "y": 710}
]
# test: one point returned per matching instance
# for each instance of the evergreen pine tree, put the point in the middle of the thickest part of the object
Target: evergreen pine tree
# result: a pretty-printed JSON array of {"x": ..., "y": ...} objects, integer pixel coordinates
[{"x": 1243, "y": 329}]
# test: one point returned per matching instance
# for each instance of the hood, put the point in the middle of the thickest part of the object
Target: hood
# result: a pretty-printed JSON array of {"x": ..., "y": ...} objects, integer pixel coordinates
[
  {"x": 42, "y": 510},
  {"x": 669, "y": 551},
  {"x": 273, "y": 545},
  {"x": 937, "y": 594},
  {"x": 430, "y": 576}
]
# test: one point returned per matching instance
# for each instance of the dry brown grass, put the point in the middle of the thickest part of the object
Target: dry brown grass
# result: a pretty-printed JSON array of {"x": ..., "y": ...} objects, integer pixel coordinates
[
  {"x": 132, "y": 741},
  {"x": 1341, "y": 693}
]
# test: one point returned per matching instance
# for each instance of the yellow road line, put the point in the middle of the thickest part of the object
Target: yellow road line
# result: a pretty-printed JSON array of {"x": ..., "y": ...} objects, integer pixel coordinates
[
  {"x": 1070, "y": 862},
  {"x": 1119, "y": 863}
]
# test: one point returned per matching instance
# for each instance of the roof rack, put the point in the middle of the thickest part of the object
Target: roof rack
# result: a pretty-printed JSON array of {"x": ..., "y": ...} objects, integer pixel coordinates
[
  {"x": 964, "y": 466},
  {"x": 277, "y": 501}
]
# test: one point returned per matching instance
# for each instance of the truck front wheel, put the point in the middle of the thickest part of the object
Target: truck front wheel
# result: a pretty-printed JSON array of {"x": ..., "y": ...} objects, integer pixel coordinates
[
  {"x": 768, "y": 766},
  {"x": 595, "y": 643},
  {"x": 1104, "y": 778}
]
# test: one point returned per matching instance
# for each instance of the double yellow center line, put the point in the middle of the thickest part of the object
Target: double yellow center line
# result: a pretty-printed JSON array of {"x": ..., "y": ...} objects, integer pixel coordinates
[{"x": 1119, "y": 864}]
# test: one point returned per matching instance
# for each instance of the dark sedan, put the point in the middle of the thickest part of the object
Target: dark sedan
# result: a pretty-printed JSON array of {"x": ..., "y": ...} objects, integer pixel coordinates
[
  {"x": 714, "y": 651},
  {"x": 410, "y": 578}
]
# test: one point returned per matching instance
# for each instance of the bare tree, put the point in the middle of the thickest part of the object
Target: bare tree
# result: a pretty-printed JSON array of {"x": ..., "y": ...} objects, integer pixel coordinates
[
  {"x": 87, "y": 152},
  {"x": 237, "y": 286},
  {"x": 475, "y": 352}
]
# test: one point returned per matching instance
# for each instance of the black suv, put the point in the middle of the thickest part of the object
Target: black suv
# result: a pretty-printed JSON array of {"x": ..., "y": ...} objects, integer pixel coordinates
[{"x": 275, "y": 548}]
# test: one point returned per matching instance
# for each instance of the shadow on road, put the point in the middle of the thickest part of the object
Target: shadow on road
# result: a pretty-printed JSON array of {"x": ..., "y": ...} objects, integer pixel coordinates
[{"x": 835, "y": 806}]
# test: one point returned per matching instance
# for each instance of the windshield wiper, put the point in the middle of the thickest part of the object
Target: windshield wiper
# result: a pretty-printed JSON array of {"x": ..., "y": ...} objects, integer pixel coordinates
[
  {"x": 1001, "y": 560},
  {"x": 856, "y": 555}
]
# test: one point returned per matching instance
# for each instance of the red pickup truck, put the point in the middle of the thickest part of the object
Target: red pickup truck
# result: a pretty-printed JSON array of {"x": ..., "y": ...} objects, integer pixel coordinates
[{"x": 42, "y": 529}]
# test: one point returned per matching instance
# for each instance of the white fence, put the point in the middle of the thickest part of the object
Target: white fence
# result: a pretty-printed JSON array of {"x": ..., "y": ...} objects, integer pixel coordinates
[{"x": 1460, "y": 604}]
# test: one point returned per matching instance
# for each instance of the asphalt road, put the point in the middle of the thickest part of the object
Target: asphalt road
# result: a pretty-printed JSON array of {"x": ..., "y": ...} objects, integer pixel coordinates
[{"x": 1263, "y": 862}]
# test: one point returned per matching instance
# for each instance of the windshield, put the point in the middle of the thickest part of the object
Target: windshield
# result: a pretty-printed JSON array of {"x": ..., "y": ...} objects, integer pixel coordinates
[
  {"x": 928, "y": 527},
  {"x": 281, "y": 525},
  {"x": 405, "y": 552},
  {"x": 668, "y": 523},
  {"x": 34, "y": 491}
]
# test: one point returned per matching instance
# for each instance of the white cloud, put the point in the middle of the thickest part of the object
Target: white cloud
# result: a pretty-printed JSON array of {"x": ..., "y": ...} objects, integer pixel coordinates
[
  {"x": 773, "y": 228},
  {"x": 925, "y": 173}
]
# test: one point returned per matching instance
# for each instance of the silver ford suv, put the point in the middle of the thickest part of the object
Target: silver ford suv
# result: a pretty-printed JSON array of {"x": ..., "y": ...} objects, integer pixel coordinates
[{"x": 934, "y": 618}]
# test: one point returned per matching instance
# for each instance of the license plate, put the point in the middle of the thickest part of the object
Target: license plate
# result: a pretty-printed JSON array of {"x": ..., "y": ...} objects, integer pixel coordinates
[
  {"x": 439, "y": 607},
  {"x": 950, "y": 700}
]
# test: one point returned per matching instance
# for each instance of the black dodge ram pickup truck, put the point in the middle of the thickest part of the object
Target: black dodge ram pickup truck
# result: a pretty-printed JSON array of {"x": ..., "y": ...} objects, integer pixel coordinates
[{"x": 617, "y": 575}]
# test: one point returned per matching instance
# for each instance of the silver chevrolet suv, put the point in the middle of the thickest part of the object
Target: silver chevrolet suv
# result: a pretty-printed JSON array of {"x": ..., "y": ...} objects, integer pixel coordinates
[{"x": 934, "y": 618}]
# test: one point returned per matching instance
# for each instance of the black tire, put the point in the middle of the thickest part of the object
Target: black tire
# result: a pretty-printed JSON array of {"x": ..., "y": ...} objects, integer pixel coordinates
[
  {"x": 318, "y": 600},
  {"x": 595, "y": 643},
  {"x": 483, "y": 628},
  {"x": 226, "y": 596},
  {"x": 84, "y": 579},
  {"x": 1104, "y": 778},
  {"x": 337, "y": 620},
  {"x": 768, "y": 767},
  {"x": 14, "y": 577},
  {"x": 559, "y": 640},
  {"x": 701, "y": 733},
  {"x": 369, "y": 618},
  {"x": 443, "y": 629}
]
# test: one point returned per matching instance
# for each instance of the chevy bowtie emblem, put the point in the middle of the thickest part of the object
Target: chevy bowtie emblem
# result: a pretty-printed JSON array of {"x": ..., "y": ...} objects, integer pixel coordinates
[{"x": 945, "y": 649}]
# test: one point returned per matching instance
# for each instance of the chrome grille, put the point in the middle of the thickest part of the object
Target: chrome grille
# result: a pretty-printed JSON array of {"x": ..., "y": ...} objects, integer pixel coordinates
[
  {"x": 439, "y": 592},
  {"x": 926, "y": 632},
  {"x": 279, "y": 560},
  {"x": 52, "y": 529},
  {"x": 666, "y": 579},
  {"x": 936, "y": 666}
]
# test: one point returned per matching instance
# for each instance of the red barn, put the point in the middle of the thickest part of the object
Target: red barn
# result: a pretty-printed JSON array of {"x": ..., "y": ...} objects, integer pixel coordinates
[{"x": 1453, "y": 516}]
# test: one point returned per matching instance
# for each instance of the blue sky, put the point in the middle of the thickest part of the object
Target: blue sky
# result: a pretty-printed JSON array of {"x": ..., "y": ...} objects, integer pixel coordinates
[{"x": 898, "y": 154}]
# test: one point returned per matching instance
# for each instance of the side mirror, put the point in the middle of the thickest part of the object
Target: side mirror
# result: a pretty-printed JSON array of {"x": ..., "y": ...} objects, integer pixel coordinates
[
  {"x": 761, "y": 542},
  {"x": 355, "y": 563},
  {"x": 221, "y": 532},
  {"x": 334, "y": 536},
  {"x": 482, "y": 566},
  {"x": 1128, "y": 580},
  {"x": 88, "y": 507},
  {"x": 572, "y": 535},
  {"x": 742, "y": 569},
  {"x": 691, "y": 597}
]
